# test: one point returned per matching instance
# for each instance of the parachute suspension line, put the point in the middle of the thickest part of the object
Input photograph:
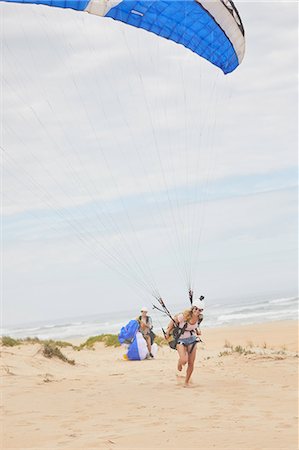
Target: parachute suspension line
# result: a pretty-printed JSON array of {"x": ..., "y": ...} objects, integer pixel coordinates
[
  {"x": 164, "y": 310},
  {"x": 155, "y": 140},
  {"x": 172, "y": 184},
  {"x": 172, "y": 235},
  {"x": 187, "y": 203},
  {"x": 227, "y": 97},
  {"x": 97, "y": 215},
  {"x": 108, "y": 80},
  {"x": 47, "y": 198},
  {"x": 179, "y": 244},
  {"x": 185, "y": 257},
  {"x": 55, "y": 115},
  {"x": 211, "y": 169},
  {"x": 188, "y": 251},
  {"x": 145, "y": 271},
  {"x": 45, "y": 171},
  {"x": 40, "y": 121},
  {"x": 114, "y": 224},
  {"x": 186, "y": 164},
  {"x": 187, "y": 153},
  {"x": 201, "y": 196},
  {"x": 75, "y": 226},
  {"x": 202, "y": 177},
  {"x": 77, "y": 208},
  {"x": 128, "y": 250},
  {"x": 156, "y": 146},
  {"x": 72, "y": 172},
  {"x": 188, "y": 184},
  {"x": 156, "y": 317}
]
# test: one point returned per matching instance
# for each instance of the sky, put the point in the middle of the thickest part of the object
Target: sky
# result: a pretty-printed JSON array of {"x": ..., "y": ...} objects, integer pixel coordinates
[{"x": 130, "y": 166}]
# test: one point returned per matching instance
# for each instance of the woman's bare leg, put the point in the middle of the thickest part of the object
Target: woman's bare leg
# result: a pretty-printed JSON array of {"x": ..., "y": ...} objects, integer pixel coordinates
[
  {"x": 191, "y": 360},
  {"x": 183, "y": 356}
]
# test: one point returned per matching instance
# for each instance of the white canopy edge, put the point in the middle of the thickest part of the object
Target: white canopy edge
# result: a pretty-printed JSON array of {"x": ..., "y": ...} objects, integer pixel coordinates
[{"x": 229, "y": 22}]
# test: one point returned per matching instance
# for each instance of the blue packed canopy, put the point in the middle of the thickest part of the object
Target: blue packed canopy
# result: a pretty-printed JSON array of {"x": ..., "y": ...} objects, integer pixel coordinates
[
  {"x": 137, "y": 348},
  {"x": 211, "y": 28},
  {"x": 128, "y": 332}
]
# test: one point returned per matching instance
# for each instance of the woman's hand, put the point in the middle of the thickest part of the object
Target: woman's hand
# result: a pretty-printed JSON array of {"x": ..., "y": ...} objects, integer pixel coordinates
[{"x": 168, "y": 330}]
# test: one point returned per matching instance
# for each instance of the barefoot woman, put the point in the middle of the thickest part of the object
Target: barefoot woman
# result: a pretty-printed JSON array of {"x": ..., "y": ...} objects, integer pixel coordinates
[{"x": 188, "y": 322}]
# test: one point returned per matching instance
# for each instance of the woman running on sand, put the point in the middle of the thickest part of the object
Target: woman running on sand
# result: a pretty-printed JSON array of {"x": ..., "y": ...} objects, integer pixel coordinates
[{"x": 188, "y": 322}]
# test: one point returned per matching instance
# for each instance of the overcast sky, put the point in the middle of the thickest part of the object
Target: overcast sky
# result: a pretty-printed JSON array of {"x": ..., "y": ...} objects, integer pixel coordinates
[{"x": 127, "y": 158}]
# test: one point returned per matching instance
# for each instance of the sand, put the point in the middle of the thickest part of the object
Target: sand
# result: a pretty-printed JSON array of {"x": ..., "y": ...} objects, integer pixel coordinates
[{"x": 235, "y": 401}]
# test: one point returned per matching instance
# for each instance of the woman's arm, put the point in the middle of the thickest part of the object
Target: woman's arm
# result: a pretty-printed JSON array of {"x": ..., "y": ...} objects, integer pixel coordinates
[
  {"x": 170, "y": 327},
  {"x": 200, "y": 319}
]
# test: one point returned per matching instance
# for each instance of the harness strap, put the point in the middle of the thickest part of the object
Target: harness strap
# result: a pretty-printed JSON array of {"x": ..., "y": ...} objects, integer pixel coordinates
[
  {"x": 193, "y": 345},
  {"x": 182, "y": 330}
]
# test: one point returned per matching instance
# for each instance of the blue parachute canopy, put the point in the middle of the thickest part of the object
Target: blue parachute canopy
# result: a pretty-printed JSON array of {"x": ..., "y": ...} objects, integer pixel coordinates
[
  {"x": 212, "y": 29},
  {"x": 128, "y": 332},
  {"x": 137, "y": 351}
]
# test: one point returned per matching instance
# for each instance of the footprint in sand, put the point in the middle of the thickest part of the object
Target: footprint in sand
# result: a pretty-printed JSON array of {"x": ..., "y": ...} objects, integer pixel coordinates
[
  {"x": 63, "y": 443},
  {"x": 186, "y": 429},
  {"x": 179, "y": 375},
  {"x": 284, "y": 425},
  {"x": 48, "y": 378}
]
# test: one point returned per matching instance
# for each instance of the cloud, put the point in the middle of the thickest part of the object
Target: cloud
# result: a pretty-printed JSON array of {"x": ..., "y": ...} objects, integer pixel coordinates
[{"x": 108, "y": 130}]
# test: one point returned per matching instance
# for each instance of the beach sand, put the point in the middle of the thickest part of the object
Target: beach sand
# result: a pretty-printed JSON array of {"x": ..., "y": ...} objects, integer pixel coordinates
[{"x": 235, "y": 401}]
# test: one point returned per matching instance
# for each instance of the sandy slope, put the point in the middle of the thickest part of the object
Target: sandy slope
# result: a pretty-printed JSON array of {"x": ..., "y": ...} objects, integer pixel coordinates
[{"x": 103, "y": 402}]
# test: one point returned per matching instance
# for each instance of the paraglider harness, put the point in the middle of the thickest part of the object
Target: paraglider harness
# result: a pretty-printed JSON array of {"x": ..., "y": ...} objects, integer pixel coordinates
[
  {"x": 151, "y": 334},
  {"x": 177, "y": 332}
]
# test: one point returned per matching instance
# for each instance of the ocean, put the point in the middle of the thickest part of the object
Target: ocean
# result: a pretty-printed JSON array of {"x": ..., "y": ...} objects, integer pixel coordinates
[{"x": 240, "y": 312}]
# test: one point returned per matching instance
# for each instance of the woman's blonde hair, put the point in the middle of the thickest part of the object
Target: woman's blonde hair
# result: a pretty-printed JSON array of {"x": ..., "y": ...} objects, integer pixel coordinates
[{"x": 187, "y": 314}]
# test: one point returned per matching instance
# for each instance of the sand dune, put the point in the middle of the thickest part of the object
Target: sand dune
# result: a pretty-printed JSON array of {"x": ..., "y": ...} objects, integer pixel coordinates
[{"x": 236, "y": 401}]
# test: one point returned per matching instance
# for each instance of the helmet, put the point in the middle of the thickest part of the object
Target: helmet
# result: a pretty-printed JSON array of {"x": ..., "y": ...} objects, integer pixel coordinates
[{"x": 200, "y": 304}]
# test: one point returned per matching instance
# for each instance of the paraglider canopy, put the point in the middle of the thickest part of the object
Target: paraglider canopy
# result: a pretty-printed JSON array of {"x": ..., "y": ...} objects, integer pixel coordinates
[
  {"x": 174, "y": 173},
  {"x": 211, "y": 28}
]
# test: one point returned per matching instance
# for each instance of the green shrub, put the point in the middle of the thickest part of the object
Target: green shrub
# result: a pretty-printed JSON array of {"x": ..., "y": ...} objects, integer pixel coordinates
[
  {"x": 61, "y": 344},
  {"x": 226, "y": 353},
  {"x": 239, "y": 349},
  {"x": 159, "y": 340},
  {"x": 51, "y": 350},
  {"x": 227, "y": 344},
  {"x": 10, "y": 342},
  {"x": 110, "y": 340}
]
